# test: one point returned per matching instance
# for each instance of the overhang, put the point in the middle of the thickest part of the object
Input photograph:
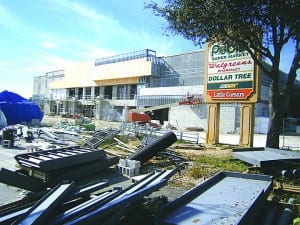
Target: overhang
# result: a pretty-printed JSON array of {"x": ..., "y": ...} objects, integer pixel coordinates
[{"x": 127, "y": 80}]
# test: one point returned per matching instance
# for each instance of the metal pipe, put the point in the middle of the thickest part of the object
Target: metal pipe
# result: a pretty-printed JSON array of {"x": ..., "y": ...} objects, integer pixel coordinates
[
  {"x": 153, "y": 148},
  {"x": 296, "y": 173},
  {"x": 271, "y": 214},
  {"x": 285, "y": 217},
  {"x": 285, "y": 173}
]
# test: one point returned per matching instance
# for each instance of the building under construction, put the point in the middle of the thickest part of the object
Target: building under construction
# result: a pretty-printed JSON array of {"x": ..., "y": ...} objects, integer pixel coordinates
[{"x": 169, "y": 88}]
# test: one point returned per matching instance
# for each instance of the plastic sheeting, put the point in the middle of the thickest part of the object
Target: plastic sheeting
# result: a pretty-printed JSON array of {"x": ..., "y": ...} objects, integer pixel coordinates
[{"x": 17, "y": 109}]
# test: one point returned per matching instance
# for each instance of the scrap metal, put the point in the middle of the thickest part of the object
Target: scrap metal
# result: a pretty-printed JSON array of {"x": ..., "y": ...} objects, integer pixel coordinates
[
  {"x": 101, "y": 207},
  {"x": 100, "y": 136},
  {"x": 15, "y": 210},
  {"x": 132, "y": 195},
  {"x": 148, "y": 139},
  {"x": 84, "y": 207},
  {"x": 40, "y": 212}
]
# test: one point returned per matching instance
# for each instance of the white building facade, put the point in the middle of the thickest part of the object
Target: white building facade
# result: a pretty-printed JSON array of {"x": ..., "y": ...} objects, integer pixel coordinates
[{"x": 108, "y": 88}]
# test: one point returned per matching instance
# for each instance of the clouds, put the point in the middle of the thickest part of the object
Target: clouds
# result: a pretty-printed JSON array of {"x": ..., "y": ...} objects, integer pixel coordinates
[
  {"x": 8, "y": 20},
  {"x": 49, "y": 45},
  {"x": 41, "y": 36},
  {"x": 86, "y": 12}
]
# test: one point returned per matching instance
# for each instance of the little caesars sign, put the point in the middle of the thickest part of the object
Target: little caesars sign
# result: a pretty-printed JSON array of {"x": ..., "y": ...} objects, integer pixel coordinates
[{"x": 230, "y": 74}]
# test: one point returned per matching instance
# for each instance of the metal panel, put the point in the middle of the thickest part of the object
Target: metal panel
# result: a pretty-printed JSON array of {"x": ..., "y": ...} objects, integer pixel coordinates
[
  {"x": 226, "y": 198},
  {"x": 269, "y": 158}
]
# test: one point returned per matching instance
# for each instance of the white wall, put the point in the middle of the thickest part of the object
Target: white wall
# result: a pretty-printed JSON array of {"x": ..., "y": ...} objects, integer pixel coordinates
[
  {"x": 182, "y": 117},
  {"x": 180, "y": 90},
  {"x": 261, "y": 125}
]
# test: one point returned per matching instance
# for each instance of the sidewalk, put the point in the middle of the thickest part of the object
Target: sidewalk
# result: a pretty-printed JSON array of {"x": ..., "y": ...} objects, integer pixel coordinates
[
  {"x": 9, "y": 193},
  {"x": 259, "y": 140}
]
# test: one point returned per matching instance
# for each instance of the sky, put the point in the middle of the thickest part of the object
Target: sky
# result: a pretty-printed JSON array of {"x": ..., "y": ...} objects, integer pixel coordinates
[{"x": 39, "y": 36}]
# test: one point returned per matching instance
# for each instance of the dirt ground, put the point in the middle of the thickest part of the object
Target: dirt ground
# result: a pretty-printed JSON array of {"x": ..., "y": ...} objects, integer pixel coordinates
[
  {"x": 189, "y": 151},
  {"x": 217, "y": 152}
]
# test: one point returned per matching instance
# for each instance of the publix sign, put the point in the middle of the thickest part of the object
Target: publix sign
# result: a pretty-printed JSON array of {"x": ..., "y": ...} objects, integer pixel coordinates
[{"x": 230, "y": 72}]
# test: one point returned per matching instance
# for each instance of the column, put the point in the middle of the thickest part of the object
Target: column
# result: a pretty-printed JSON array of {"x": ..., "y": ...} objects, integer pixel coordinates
[
  {"x": 83, "y": 93},
  {"x": 92, "y": 93},
  {"x": 247, "y": 124},
  {"x": 114, "y": 92},
  {"x": 101, "y": 94},
  {"x": 58, "y": 108},
  {"x": 213, "y": 124}
]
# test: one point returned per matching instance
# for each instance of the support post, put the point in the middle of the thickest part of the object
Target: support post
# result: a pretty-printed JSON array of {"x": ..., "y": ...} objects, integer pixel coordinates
[
  {"x": 247, "y": 124},
  {"x": 213, "y": 124}
]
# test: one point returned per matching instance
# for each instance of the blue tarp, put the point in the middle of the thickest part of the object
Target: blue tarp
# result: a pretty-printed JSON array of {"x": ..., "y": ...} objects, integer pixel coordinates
[{"x": 18, "y": 109}]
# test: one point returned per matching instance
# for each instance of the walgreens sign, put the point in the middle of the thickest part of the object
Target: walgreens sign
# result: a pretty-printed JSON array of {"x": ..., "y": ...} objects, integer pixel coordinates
[{"x": 230, "y": 72}]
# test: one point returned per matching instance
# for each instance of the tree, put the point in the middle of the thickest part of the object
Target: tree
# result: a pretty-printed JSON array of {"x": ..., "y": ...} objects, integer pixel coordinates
[{"x": 261, "y": 27}]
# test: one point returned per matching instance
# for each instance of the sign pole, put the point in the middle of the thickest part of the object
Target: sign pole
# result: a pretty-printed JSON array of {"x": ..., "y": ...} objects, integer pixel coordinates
[
  {"x": 247, "y": 124},
  {"x": 213, "y": 124}
]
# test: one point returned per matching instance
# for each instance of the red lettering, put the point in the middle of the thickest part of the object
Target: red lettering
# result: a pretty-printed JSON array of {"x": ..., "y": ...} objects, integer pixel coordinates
[{"x": 225, "y": 65}]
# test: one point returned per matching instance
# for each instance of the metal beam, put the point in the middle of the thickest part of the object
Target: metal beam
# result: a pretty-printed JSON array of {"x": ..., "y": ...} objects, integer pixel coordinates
[
  {"x": 39, "y": 213},
  {"x": 20, "y": 180}
]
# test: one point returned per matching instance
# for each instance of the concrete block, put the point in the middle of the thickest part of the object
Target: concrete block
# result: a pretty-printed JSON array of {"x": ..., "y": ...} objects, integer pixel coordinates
[
  {"x": 129, "y": 168},
  {"x": 32, "y": 148},
  {"x": 6, "y": 143}
]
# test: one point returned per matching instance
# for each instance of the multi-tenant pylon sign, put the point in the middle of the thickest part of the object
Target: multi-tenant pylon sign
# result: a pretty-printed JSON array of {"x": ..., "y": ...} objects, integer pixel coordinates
[{"x": 231, "y": 76}]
